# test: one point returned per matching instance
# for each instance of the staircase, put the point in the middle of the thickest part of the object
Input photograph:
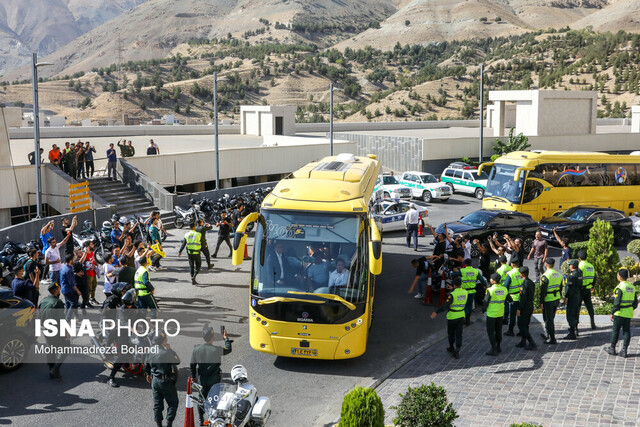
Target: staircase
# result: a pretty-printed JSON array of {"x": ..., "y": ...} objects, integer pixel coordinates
[{"x": 116, "y": 193}]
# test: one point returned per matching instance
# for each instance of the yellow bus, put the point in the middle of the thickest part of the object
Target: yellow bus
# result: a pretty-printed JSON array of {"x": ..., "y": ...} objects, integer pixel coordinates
[
  {"x": 542, "y": 183},
  {"x": 315, "y": 256}
]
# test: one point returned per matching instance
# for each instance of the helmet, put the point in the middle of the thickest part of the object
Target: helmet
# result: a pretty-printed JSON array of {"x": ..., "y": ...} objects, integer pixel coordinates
[
  {"x": 124, "y": 220},
  {"x": 192, "y": 201},
  {"x": 130, "y": 297},
  {"x": 114, "y": 217},
  {"x": 106, "y": 224},
  {"x": 86, "y": 223},
  {"x": 239, "y": 374}
]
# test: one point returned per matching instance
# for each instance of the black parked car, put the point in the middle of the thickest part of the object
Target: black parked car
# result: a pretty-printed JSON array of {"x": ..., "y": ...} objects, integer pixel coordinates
[
  {"x": 484, "y": 223},
  {"x": 16, "y": 315},
  {"x": 573, "y": 225}
]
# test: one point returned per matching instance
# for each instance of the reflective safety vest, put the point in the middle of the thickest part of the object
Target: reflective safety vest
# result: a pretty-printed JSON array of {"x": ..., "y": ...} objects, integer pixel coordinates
[
  {"x": 502, "y": 271},
  {"x": 469, "y": 279},
  {"x": 193, "y": 241},
  {"x": 588, "y": 274},
  {"x": 553, "y": 288},
  {"x": 514, "y": 286},
  {"x": 626, "y": 303},
  {"x": 456, "y": 310},
  {"x": 496, "y": 304},
  {"x": 141, "y": 287}
]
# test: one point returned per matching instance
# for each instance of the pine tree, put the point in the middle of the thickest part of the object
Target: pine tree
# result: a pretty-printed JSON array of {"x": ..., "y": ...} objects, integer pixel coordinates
[{"x": 604, "y": 257}]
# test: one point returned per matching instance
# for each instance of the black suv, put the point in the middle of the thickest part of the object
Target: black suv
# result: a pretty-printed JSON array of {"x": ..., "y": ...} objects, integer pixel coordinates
[
  {"x": 484, "y": 223},
  {"x": 573, "y": 225},
  {"x": 16, "y": 315}
]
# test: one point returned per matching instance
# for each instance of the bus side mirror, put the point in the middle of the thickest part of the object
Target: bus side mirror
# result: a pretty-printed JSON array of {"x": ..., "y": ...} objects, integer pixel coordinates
[
  {"x": 240, "y": 238},
  {"x": 375, "y": 249}
]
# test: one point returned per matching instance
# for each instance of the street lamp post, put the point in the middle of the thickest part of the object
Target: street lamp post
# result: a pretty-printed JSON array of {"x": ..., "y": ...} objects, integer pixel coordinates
[
  {"x": 481, "y": 111},
  {"x": 331, "y": 119},
  {"x": 36, "y": 131},
  {"x": 215, "y": 126}
]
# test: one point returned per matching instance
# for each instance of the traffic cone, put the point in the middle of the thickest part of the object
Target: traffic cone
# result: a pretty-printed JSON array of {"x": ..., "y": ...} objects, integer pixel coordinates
[
  {"x": 189, "y": 420},
  {"x": 428, "y": 298},
  {"x": 246, "y": 253},
  {"x": 442, "y": 291},
  {"x": 420, "y": 228}
]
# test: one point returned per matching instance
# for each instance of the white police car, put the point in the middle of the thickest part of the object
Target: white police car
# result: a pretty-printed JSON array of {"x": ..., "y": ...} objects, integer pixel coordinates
[
  {"x": 636, "y": 224},
  {"x": 389, "y": 214},
  {"x": 388, "y": 187},
  {"x": 426, "y": 186}
]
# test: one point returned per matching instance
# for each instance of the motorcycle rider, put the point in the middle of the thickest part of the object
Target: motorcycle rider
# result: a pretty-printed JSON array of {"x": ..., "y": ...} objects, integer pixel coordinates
[
  {"x": 162, "y": 373},
  {"x": 205, "y": 363}
]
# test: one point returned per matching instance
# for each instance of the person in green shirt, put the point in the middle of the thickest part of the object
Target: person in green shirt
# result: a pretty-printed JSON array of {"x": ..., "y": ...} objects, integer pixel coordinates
[
  {"x": 205, "y": 363},
  {"x": 572, "y": 299},
  {"x": 588, "y": 280},
  {"x": 550, "y": 291},
  {"x": 493, "y": 305},
  {"x": 625, "y": 301},
  {"x": 162, "y": 373},
  {"x": 51, "y": 307},
  {"x": 454, "y": 304},
  {"x": 525, "y": 309}
]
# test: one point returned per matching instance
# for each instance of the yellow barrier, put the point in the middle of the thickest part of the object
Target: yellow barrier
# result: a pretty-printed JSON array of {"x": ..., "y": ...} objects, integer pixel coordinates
[{"x": 79, "y": 198}]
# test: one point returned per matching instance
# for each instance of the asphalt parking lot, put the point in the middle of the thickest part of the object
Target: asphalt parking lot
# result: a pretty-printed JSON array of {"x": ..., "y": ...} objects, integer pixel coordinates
[{"x": 303, "y": 392}]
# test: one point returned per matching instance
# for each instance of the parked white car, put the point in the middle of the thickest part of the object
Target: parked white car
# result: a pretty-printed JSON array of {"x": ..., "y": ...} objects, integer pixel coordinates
[
  {"x": 425, "y": 186},
  {"x": 389, "y": 214},
  {"x": 636, "y": 224},
  {"x": 388, "y": 187}
]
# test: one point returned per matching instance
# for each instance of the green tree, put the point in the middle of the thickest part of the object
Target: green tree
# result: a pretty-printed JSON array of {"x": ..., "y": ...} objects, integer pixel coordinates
[
  {"x": 362, "y": 407},
  {"x": 514, "y": 143},
  {"x": 604, "y": 257}
]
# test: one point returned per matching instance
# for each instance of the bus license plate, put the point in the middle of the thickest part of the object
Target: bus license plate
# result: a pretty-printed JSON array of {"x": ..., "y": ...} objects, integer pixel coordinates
[{"x": 304, "y": 352}]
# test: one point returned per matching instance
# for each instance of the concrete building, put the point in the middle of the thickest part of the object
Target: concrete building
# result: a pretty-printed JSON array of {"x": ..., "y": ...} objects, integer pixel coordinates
[
  {"x": 267, "y": 120},
  {"x": 635, "y": 118},
  {"x": 545, "y": 112}
]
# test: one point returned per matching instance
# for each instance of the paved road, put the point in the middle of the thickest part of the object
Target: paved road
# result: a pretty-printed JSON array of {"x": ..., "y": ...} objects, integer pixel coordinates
[
  {"x": 574, "y": 383},
  {"x": 303, "y": 392}
]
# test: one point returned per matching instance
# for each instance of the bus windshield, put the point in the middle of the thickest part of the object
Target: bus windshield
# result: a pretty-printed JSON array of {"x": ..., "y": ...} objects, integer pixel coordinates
[
  {"x": 501, "y": 184},
  {"x": 311, "y": 254}
]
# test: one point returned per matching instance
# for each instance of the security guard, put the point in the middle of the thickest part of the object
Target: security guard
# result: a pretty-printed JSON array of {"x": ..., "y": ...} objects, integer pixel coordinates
[
  {"x": 52, "y": 308},
  {"x": 513, "y": 283},
  {"x": 503, "y": 270},
  {"x": 470, "y": 276},
  {"x": 572, "y": 299},
  {"x": 624, "y": 303},
  {"x": 144, "y": 288},
  {"x": 202, "y": 228},
  {"x": 493, "y": 304},
  {"x": 455, "y": 304},
  {"x": 550, "y": 290},
  {"x": 162, "y": 374},
  {"x": 525, "y": 309},
  {"x": 205, "y": 362},
  {"x": 192, "y": 242},
  {"x": 588, "y": 279}
]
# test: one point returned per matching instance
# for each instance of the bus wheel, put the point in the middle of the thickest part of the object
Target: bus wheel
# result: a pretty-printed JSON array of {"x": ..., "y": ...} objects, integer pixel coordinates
[
  {"x": 479, "y": 193},
  {"x": 426, "y": 196},
  {"x": 622, "y": 237}
]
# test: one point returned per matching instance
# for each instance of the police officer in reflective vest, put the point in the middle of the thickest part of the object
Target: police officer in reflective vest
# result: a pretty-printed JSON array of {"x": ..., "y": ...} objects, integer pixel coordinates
[
  {"x": 205, "y": 363},
  {"x": 470, "y": 276},
  {"x": 455, "y": 304},
  {"x": 512, "y": 283},
  {"x": 144, "y": 288},
  {"x": 588, "y": 279},
  {"x": 493, "y": 304},
  {"x": 624, "y": 303},
  {"x": 572, "y": 299},
  {"x": 162, "y": 373},
  {"x": 550, "y": 290},
  {"x": 503, "y": 270},
  {"x": 192, "y": 242}
]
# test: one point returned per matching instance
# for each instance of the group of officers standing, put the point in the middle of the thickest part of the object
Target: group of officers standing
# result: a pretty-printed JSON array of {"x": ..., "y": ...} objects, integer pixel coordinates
[{"x": 509, "y": 299}]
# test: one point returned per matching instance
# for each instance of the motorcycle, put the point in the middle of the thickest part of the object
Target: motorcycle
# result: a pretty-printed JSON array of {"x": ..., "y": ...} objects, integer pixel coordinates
[
  {"x": 229, "y": 405},
  {"x": 184, "y": 216},
  {"x": 101, "y": 241}
]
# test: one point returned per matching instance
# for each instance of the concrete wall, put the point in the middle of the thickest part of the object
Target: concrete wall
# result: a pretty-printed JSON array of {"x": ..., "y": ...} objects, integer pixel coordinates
[
  {"x": 373, "y": 126},
  {"x": 75, "y": 132},
  {"x": 397, "y": 153},
  {"x": 12, "y": 116},
  {"x": 526, "y": 118},
  {"x": 260, "y": 120},
  {"x": 635, "y": 118},
  {"x": 566, "y": 117},
  {"x": 234, "y": 162}
]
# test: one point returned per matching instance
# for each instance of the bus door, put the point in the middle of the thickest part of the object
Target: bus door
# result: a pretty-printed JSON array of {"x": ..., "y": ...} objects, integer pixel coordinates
[{"x": 534, "y": 200}]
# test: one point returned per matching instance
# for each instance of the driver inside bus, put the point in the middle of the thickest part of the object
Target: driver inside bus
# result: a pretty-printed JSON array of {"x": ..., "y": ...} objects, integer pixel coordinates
[{"x": 318, "y": 273}]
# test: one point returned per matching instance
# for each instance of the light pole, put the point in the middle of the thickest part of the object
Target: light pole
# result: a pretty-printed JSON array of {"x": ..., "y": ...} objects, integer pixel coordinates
[
  {"x": 331, "y": 119},
  {"x": 481, "y": 110},
  {"x": 215, "y": 126},
  {"x": 36, "y": 130}
]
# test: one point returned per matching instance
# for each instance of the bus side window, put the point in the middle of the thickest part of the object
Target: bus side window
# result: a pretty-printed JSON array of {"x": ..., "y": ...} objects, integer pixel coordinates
[{"x": 532, "y": 190}]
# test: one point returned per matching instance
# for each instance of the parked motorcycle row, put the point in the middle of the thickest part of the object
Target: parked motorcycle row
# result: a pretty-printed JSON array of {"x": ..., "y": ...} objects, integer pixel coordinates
[{"x": 211, "y": 211}]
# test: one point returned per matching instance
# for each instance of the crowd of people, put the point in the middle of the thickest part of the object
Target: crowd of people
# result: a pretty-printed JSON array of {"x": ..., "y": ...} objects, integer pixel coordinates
[{"x": 507, "y": 298}]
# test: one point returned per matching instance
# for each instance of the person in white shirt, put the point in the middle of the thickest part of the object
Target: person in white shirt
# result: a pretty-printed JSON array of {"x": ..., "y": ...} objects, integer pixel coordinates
[
  {"x": 339, "y": 276},
  {"x": 466, "y": 245},
  {"x": 411, "y": 219},
  {"x": 109, "y": 276},
  {"x": 52, "y": 258}
]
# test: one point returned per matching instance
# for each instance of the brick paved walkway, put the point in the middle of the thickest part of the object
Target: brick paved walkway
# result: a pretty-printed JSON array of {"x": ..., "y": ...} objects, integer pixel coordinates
[{"x": 574, "y": 383}]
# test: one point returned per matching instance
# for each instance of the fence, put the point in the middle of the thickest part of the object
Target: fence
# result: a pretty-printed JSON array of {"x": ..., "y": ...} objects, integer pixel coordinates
[{"x": 183, "y": 199}]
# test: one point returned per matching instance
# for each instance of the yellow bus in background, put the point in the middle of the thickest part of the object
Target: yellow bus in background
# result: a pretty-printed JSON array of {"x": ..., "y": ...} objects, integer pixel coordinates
[
  {"x": 542, "y": 183},
  {"x": 314, "y": 262}
]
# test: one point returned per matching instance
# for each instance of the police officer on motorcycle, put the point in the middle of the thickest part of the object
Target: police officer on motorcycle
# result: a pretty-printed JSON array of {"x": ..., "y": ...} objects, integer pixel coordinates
[{"x": 205, "y": 363}]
